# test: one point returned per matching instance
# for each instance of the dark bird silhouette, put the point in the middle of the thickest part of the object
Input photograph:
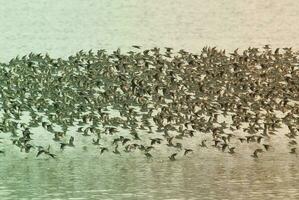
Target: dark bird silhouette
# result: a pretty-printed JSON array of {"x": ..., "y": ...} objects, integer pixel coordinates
[
  {"x": 242, "y": 140},
  {"x": 103, "y": 149},
  {"x": 45, "y": 151},
  {"x": 266, "y": 146},
  {"x": 255, "y": 153},
  {"x": 156, "y": 140},
  {"x": 136, "y": 46},
  {"x": 71, "y": 141},
  {"x": 70, "y": 144},
  {"x": 203, "y": 143},
  {"x": 148, "y": 155},
  {"x": 96, "y": 142},
  {"x": 172, "y": 157},
  {"x": 187, "y": 151},
  {"x": 293, "y": 150},
  {"x": 231, "y": 150},
  {"x": 116, "y": 150},
  {"x": 224, "y": 147}
]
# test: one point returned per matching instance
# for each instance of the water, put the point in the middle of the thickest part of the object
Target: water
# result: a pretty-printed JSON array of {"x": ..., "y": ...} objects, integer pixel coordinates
[
  {"x": 62, "y": 28},
  {"x": 206, "y": 175}
]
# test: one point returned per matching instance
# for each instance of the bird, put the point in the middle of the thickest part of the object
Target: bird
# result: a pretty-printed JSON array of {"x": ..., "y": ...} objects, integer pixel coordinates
[
  {"x": 172, "y": 157},
  {"x": 187, "y": 151},
  {"x": 71, "y": 141},
  {"x": 231, "y": 150},
  {"x": 148, "y": 155},
  {"x": 266, "y": 146},
  {"x": 255, "y": 153},
  {"x": 116, "y": 150},
  {"x": 125, "y": 140},
  {"x": 62, "y": 145},
  {"x": 178, "y": 145},
  {"x": 168, "y": 49},
  {"x": 259, "y": 139},
  {"x": 181, "y": 94},
  {"x": 45, "y": 151},
  {"x": 96, "y": 142},
  {"x": 216, "y": 142},
  {"x": 203, "y": 143},
  {"x": 136, "y": 46},
  {"x": 103, "y": 149},
  {"x": 224, "y": 147},
  {"x": 292, "y": 142},
  {"x": 242, "y": 140},
  {"x": 28, "y": 147},
  {"x": 156, "y": 140},
  {"x": 293, "y": 150}
]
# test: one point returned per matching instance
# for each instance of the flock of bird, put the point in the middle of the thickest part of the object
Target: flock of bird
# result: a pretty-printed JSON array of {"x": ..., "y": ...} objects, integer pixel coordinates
[{"x": 146, "y": 100}]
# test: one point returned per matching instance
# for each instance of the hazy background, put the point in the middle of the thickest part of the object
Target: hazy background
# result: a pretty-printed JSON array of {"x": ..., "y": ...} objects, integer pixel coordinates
[{"x": 64, "y": 27}]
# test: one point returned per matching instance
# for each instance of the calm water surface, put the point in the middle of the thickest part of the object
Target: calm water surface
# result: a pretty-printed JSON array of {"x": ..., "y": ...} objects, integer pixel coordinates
[
  {"x": 206, "y": 175},
  {"x": 63, "y": 27}
]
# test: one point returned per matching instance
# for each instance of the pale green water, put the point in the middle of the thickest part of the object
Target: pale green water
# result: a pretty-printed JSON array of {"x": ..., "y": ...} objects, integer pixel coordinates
[
  {"x": 206, "y": 175},
  {"x": 62, "y": 28}
]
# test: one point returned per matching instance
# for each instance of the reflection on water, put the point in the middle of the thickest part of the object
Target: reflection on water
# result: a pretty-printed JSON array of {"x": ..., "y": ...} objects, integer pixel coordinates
[{"x": 204, "y": 176}]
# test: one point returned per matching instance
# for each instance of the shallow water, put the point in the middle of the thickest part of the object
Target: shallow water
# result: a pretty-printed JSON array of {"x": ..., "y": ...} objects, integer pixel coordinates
[
  {"x": 62, "y": 28},
  {"x": 206, "y": 175}
]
